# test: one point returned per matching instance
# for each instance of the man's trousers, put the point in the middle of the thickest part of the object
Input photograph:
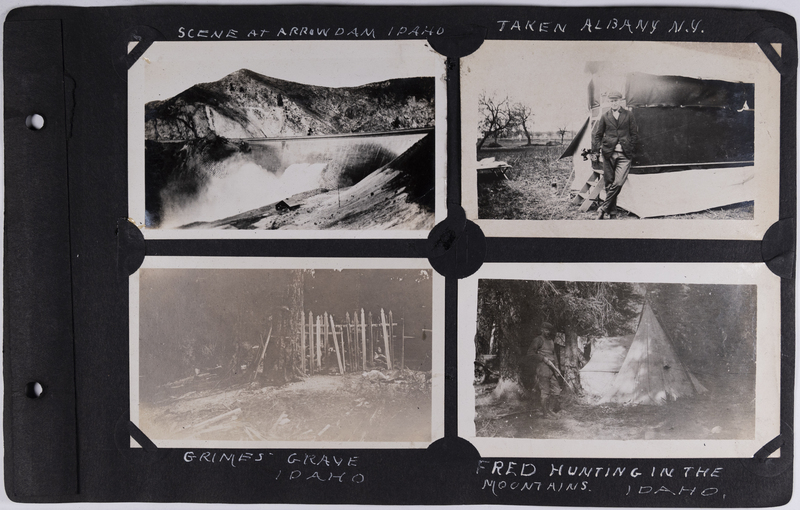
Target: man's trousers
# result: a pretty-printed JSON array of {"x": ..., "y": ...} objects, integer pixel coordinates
[{"x": 615, "y": 171}]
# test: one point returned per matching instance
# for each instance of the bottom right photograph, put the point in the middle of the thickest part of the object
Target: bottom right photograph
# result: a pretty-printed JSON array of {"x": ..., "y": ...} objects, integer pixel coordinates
[{"x": 619, "y": 360}]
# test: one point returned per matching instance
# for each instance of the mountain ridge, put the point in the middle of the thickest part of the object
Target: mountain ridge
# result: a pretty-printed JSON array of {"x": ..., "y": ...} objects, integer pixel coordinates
[{"x": 246, "y": 104}]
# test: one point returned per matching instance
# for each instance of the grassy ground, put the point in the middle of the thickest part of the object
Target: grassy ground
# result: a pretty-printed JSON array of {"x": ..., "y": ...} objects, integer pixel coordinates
[{"x": 538, "y": 189}]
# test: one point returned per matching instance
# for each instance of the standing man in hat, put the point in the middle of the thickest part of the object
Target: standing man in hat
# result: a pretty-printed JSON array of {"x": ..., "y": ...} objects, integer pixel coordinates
[
  {"x": 539, "y": 363},
  {"x": 616, "y": 135}
]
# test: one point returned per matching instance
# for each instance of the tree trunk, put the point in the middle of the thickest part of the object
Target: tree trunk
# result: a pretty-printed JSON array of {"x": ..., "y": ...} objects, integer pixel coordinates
[
  {"x": 483, "y": 140},
  {"x": 527, "y": 133},
  {"x": 286, "y": 331},
  {"x": 294, "y": 321},
  {"x": 571, "y": 359}
]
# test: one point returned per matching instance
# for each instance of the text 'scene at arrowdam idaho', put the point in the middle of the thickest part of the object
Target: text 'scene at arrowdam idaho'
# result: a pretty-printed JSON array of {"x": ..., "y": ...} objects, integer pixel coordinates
[{"x": 225, "y": 154}]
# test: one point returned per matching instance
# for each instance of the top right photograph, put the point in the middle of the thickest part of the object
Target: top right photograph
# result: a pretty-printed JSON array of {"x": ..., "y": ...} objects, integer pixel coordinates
[{"x": 623, "y": 139}]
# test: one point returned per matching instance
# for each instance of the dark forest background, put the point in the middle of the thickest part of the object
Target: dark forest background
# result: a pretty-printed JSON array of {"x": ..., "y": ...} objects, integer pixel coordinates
[{"x": 712, "y": 327}]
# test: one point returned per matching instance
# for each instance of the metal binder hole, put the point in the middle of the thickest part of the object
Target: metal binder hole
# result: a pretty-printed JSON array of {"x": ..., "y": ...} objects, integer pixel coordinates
[
  {"x": 33, "y": 389},
  {"x": 34, "y": 122}
]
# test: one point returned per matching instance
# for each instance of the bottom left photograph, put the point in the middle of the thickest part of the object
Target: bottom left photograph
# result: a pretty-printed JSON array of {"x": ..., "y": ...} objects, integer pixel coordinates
[{"x": 245, "y": 352}]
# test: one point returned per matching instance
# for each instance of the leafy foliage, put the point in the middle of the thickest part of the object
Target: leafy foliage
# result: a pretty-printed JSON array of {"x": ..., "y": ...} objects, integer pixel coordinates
[
  {"x": 517, "y": 308},
  {"x": 713, "y": 327}
]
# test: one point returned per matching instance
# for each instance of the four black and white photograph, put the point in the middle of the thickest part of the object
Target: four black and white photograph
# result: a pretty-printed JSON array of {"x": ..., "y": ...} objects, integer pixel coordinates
[
  {"x": 322, "y": 353},
  {"x": 615, "y": 133},
  {"x": 645, "y": 356},
  {"x": 302, "y": 140},
  {"x": 287, "y": 139}
]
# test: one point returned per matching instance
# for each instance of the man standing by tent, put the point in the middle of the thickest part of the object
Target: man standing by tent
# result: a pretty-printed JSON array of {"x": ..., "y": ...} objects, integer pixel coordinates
[
  {"x": 616, "y": 135},
  {"x": 539, "y": 365}
]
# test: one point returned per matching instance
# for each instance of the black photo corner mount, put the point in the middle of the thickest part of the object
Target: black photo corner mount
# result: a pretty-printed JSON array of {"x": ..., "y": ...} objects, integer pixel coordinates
[
  {"x": 130, "y": 248},
  {"x": 456, "y": 246},
  {"x": 56, "y": 262},
  {"x": 778, "y": 247},
  {"x": 762, "y": 465},
  {"x": 785, "y": 62},
  {"x": 459, "y": 42},
  {"x": 144, "y": 36},
  {"x": 147, "y": 453}
]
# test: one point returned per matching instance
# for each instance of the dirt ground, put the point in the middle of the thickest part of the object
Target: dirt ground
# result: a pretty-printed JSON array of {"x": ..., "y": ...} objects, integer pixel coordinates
[
  {"x": 375, "y": 406},
  {"x": 726, "y": 411},
  {"x": 538, "y": 189}
]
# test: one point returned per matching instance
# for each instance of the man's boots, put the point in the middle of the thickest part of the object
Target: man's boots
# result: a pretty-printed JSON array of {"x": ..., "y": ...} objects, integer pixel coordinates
[
  {"x": 554, "y": 407},
  {"x": 547, "y": 410}
]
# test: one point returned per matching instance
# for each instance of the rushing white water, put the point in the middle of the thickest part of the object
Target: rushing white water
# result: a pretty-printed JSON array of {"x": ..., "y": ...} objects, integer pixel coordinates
[
  {"x": 237, "y": 186},
  {"x": 272, "y": 170}
]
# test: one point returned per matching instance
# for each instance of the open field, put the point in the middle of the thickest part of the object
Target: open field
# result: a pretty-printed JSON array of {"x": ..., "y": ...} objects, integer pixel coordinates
[{"x": 538, "y": 188}]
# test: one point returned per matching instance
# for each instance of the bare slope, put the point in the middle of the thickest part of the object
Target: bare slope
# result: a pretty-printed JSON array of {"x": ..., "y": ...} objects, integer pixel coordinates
[{"x": 245, "y": 104}]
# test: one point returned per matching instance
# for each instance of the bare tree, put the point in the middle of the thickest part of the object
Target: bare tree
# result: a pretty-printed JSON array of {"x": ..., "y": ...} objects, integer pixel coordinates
[
  {"x": 562, "y": 131},
  {"x": 523, "y": 117},
  {"x": 497, "y": 117}
]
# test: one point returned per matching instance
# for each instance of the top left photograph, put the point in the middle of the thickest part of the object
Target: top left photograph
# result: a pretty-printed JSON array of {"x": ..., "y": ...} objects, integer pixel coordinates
[{"x": 288, "y": 139}]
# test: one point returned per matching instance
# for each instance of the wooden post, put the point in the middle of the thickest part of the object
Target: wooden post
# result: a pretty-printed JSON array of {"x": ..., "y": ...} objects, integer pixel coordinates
[
  {"x": 349, "y": 349},
  {"x": 303, "y": 342},
  {"x": 386, "y": 340},
  {"x": 356, "y": 343},
  {"x": 325, "y": 323},
  {"x": 343, "y": 348},
  {"x": 403, "y": 343},
  {"x": 354, "y": 357},
  {"x": 263, "y": 351},
  {"x": 363, "y": 342},
  {"x": 311, "y": 350},
  {"x": 336, "y": 345},
  {"x": 319, "y": 342},
  {"x": 371, "y": 338},
  {"x": 350, "y": 341},
  {"x": 391, "y": 334}
]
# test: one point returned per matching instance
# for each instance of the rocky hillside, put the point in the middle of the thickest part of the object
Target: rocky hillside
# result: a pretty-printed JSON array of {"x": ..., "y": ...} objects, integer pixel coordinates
[{"x": 246, "y": 104}]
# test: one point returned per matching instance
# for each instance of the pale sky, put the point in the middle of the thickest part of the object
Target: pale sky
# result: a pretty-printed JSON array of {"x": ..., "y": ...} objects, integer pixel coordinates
[
  {"x": 551, "y": 76},
  {"x": 172, "y": 67}
]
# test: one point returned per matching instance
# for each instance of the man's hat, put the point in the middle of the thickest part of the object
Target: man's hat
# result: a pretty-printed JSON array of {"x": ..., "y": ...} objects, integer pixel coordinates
[
  {"x": 547, "y": 325},
  {"x": 614, "y": 94}
]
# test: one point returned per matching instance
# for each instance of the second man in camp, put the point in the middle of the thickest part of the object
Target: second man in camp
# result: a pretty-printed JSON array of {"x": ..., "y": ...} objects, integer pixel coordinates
[{"x": 540, "y": 362}]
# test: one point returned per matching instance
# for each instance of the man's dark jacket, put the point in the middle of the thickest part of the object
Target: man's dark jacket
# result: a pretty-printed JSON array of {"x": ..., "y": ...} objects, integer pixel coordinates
[{"x": 609, "y": 132}]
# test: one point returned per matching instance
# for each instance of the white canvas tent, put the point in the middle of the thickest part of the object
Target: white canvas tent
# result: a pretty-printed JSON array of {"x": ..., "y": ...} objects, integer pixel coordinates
[
  {"x": 608, "y": 354},
  {"x": 651, "y": 372}
]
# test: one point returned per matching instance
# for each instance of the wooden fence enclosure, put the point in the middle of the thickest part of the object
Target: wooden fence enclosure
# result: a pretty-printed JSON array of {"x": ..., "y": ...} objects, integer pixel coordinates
[{"x": 350, "y": 343}]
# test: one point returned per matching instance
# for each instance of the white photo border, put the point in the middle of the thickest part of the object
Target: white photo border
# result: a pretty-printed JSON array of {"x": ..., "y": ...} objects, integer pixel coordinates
[
  {"x": 479, "y": 68},
  {"x": 768, "y": 340},
  {"x": 223, "y": 57},
  {"x": 437, "y": 341}
]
